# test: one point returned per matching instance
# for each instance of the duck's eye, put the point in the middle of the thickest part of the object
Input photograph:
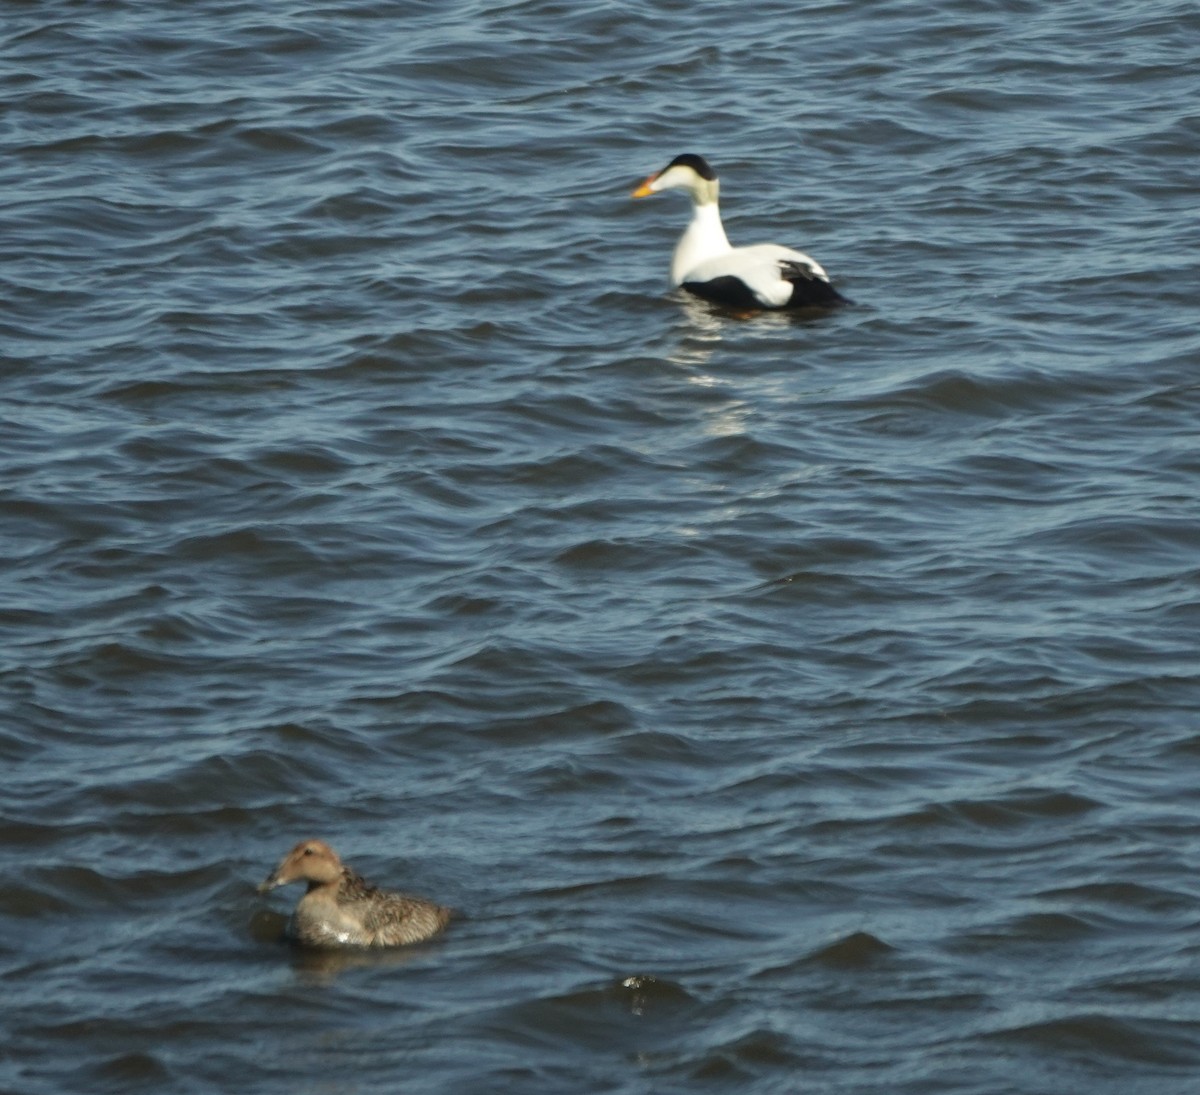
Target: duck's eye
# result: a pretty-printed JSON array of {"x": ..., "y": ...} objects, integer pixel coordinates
[{"x": 309, "y": 851}]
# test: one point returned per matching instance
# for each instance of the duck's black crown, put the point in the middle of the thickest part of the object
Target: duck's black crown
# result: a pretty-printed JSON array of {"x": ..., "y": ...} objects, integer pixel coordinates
[{"x": 697, "y": 163}]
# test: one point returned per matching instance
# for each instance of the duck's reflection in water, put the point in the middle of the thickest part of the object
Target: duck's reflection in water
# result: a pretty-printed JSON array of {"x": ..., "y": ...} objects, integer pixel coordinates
[{"x": 323, "y": 965}]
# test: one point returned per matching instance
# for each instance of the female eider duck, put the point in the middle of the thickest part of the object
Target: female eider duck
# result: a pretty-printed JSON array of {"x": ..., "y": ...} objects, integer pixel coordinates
[
  {"x": 341, "y": 909},
  {"x": 762, "y": 276}
]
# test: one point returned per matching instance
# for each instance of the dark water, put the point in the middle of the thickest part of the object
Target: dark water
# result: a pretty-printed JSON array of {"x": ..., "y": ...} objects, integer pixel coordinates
[{"x": 788, "y": 705}]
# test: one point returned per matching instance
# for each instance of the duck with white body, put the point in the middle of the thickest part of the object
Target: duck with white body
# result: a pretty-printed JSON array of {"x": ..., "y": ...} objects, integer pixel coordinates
[{"x": 765, "y": 275}]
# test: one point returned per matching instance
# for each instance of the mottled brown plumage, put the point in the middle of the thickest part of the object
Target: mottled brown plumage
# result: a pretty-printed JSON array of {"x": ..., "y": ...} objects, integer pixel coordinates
[{"x": 342, "y": 909}]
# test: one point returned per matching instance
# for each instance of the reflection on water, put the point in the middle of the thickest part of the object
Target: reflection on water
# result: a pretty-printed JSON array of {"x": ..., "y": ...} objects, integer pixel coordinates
[
  {"x": 325, "y": 965},
  {"x": 704, "y": 330},
  {"x": 697, "y": 335},
  {"x": 268, "y": 926}
]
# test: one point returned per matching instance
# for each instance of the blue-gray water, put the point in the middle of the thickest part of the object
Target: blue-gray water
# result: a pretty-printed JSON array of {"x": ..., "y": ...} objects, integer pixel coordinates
[{"x": 787, "y": 705}]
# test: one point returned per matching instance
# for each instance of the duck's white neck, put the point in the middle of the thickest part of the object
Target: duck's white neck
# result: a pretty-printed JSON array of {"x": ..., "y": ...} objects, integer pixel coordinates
[{"x": 703, "y": 238}]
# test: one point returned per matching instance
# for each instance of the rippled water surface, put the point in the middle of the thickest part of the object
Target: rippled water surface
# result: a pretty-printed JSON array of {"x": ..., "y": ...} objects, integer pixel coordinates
[{"x": 787, "y": 704}]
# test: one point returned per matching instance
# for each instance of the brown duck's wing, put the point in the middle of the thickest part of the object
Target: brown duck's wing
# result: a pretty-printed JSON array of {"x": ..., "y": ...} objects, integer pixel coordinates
[
  {"x": 395, "y": 919},
  {"x": 353, "y": 887},
  {"x": 389, "y": 919}
]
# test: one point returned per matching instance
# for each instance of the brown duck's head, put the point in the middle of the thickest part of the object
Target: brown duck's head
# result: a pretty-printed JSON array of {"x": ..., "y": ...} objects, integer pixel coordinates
[{"x": 309, "y": 861}]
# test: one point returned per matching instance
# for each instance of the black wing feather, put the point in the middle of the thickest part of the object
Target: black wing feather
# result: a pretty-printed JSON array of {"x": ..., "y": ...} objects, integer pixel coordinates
[{"x": 809, "y": 289}]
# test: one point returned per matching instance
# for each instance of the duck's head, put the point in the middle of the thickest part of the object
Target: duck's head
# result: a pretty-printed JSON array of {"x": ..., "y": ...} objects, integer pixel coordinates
[
  {"x": 309, "y": 861},
  {"x": 687, "y": 172}
]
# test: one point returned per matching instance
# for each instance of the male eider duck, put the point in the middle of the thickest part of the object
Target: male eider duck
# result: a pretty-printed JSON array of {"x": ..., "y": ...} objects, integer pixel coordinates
[
  {"x": 763, "y": 276},
  {"x": 341, "y": 909}
]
